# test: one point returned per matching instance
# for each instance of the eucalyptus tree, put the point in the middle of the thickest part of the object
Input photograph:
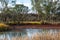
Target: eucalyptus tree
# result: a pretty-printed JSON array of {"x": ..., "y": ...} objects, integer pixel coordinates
[
  {"x": 44, "y": 7},
  {"x": 20, "y": 11},
  {"x": 4, "y": 3},
  {"x": 6, "y": 10},
  {"x": 20, "y": 8}
]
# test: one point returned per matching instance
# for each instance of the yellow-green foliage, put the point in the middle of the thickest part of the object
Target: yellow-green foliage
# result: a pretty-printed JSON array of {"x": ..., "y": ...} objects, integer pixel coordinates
[
  {"x": 35, "y": 22},
  {"x": 26, "y": 22},
  {"x": 32, "y": 22},
  {"x": 3, "y": 25}
]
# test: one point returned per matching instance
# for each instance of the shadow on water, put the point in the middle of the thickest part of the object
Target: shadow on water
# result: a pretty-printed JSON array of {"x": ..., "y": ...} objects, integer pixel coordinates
[{"x": 26, "y": 34}]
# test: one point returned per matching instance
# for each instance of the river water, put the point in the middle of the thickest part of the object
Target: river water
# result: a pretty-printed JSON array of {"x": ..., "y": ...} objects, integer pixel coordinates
[{"x": 16, "y": 35}]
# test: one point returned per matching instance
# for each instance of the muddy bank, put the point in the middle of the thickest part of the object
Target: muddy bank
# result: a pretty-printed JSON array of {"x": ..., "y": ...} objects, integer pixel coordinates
[{"x": 19, "y": 27}]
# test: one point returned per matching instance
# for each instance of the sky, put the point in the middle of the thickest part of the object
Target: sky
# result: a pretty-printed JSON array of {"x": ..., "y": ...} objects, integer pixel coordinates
[{"x": 24, "y": 2}]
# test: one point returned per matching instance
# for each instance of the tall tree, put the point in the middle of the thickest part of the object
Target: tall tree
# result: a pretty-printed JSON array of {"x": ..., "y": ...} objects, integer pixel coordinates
[
  {"x": 6, "y": 10},
  {"x": 6, "y": 2},
  {"x": 44, "y": 7},
  {"x": 20, "y": 8}
]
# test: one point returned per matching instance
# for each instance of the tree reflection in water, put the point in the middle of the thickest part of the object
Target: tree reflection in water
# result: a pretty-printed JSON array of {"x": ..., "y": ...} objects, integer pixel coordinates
[{"x": 30, "y": 34}]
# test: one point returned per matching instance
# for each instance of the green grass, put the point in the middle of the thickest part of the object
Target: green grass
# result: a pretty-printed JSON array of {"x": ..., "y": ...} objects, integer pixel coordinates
[
  {"x": 33, "y": 22},
  {"x": 26, "y": 22}
]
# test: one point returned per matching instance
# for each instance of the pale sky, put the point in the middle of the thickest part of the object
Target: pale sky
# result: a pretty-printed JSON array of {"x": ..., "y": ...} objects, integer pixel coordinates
[{"x": 24, "y": 2}]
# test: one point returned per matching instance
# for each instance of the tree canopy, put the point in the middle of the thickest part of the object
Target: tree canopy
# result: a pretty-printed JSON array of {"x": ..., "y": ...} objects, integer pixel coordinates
[{"x": 44, "y": 7}]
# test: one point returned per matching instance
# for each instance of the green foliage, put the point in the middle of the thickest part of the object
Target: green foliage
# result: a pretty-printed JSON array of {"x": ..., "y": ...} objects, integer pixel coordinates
[
  {"x": 32, "y": 23},
  {"x": 20, "y": 8},
  {"x": 4, "y": 27},
  {"x": 44, "y": 7},
  {"x": 13, "y": 14}
]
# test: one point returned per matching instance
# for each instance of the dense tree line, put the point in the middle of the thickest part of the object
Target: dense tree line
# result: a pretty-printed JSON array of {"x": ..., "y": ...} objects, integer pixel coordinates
[{"x": 46, "y": 9}]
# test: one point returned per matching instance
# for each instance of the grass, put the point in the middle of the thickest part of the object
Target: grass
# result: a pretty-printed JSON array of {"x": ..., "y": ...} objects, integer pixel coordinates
[
  {"x": 25, "y": 22},
  {"x": 38, "y": 36},
  {"x": 33, "y": 22}
]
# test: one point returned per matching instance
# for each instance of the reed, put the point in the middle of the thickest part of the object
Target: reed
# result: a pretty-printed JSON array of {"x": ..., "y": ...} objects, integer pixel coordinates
[{"x": 38, "y": 36}]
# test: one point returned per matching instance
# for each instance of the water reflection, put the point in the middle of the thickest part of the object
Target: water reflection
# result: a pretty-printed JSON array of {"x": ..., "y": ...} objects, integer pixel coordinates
[{"x": 27, "y": 33}]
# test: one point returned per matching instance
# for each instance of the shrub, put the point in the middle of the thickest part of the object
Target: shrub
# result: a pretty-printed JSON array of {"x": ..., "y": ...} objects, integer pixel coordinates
[{"x": 4, "y": 27}]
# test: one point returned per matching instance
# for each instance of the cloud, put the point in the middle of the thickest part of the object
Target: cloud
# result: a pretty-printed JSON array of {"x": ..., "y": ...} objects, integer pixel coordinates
[
  {"x": 28, "y": 4},
  {"x": 25, "y": 2},
  {"x": 0, "y": 5}
]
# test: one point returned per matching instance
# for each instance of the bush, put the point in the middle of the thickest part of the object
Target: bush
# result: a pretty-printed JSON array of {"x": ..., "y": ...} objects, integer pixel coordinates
[{"x": 4, "y": 27}]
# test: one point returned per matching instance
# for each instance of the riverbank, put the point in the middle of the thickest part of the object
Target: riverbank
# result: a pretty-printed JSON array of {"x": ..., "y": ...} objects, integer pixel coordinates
[
  {"x": 17, "y": 27},
  {"x": 29, "y": 25},
  {"x": 36, "y": 25}
]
